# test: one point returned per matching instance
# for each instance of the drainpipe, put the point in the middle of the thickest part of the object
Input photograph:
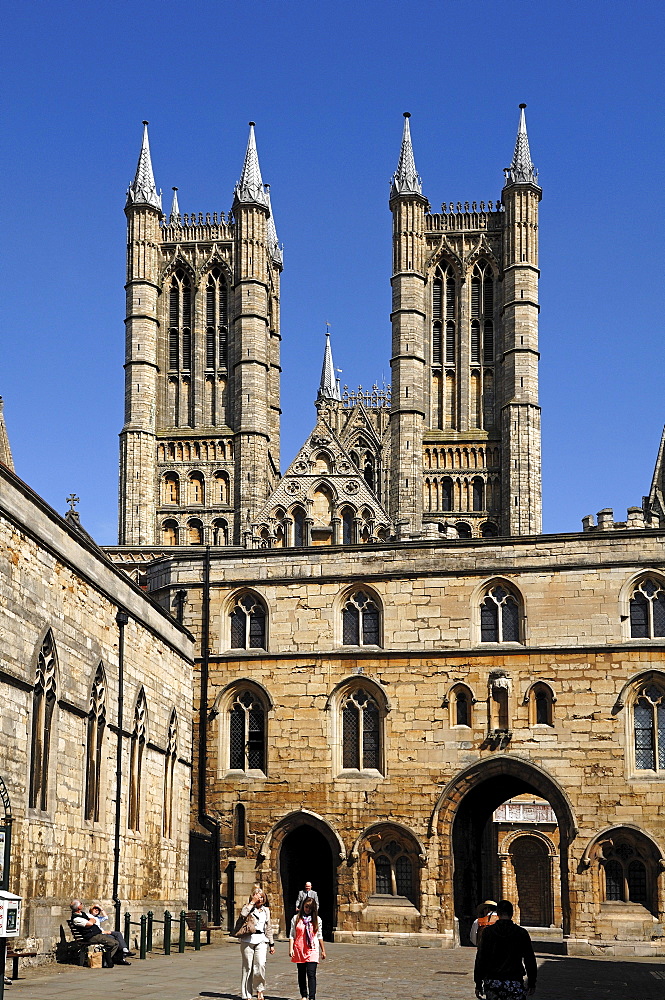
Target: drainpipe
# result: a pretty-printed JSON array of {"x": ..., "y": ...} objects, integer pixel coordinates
[
  {"x": 121, "y": 620},
  {"x": 209, "y": 822}
]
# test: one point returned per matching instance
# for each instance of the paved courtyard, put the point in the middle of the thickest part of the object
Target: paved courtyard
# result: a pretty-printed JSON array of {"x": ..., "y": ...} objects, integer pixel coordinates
[{"x": 351, "y": 972}]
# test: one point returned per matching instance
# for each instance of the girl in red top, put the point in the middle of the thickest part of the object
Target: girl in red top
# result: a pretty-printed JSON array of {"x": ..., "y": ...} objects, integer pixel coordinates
[{"x": 306, "y": 945}]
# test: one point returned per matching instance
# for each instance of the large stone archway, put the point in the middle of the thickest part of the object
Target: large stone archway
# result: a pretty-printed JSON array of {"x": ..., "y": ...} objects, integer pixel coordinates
[
  {"x": 459, "y": 820},
  {"x": 302, "y": 847}
]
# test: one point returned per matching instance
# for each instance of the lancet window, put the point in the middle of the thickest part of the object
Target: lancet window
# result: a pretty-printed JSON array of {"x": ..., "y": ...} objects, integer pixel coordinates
[
  {"x": 169, "y": 774},
  {"x": 137, "y": 748},
  {"x": 180, "y": 322},
  {"x": 247, "y": 733},
  {"x": 94, "y": 745},
  {"x": 443, "y": 317},
  {"x": 361, "y": 731},
  {"x": 217, "y": 321},
  {"x": 482, "y": 314},
  {"x": 43, "y": 706}
]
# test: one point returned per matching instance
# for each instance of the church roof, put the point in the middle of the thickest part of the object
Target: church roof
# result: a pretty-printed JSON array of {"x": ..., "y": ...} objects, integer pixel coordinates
[
  {"x": 250, "y": 186},
  {"x": 521, "y": 170},
  {"x": 142, "y": 190},
  {"x": 405, "y": 179},
  {"x": 5, "y": 450}
]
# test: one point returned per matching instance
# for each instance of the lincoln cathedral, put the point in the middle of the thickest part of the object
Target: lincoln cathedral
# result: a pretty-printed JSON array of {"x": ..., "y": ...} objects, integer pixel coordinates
[{"x": 402, "y": 690}]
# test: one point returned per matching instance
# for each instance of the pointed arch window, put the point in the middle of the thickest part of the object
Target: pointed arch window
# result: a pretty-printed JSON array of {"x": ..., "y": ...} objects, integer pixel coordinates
[
  {"x": 348, "y": 516},
  {"x": 299, "y": 527},
  {"x": 94, "y": 745},
  {"x": 628, "y": 870},
  {"x": 248, "y": 623},
  {"x": 136, "y": 751},
  {"x": 500, "y": 616},
  {"x": 361, "y": 732},
  {"x": 43, "y": 706},
  {"x": 647, "y": 609},
  {"x": 216, "y": 321},
  {"x": 393, "y": 866},
  {"x": 169, "y": 775},
  {"x": 649, "y": 727},
  {"x": 247, "y": 733},
  {"x": 360, "y": 620},
  {"x": 180, "y": 322}
]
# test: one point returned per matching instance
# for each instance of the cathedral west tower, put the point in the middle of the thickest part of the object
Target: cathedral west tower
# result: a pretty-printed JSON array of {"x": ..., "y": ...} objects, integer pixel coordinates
[
  {"x": 465, "y": 420},
  {"x": 200, "y": 447}
]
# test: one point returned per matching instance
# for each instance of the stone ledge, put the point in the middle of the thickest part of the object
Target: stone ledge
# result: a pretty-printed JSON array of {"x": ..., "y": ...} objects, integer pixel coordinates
[{"x": 419, "y": 940}]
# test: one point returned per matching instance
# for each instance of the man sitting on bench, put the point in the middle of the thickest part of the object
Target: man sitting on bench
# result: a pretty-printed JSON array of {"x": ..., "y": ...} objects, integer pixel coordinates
[{"x": 91, "y": 933}]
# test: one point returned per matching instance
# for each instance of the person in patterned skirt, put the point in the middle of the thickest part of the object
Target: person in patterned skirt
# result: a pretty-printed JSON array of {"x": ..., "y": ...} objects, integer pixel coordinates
[{"x": 505, "y": 955}]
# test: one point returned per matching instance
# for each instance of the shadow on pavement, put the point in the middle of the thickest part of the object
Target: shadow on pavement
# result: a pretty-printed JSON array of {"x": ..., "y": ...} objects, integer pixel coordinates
[
  {"x": 236, "y": 996},
  {"x": 619, "y": 978}
]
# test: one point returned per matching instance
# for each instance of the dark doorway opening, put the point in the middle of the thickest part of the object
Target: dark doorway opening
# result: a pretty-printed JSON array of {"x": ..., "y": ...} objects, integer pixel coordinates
[
  {"x": 306, "y": 856},
  {"x": 476, "y": 875},
  {"x": 201, "y": 875}
]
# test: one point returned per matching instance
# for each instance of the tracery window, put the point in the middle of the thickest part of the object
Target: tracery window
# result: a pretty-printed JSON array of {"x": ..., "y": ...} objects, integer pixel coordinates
[
  {"x": 43, "y": 705},
  {"x": 500, "y": 616},
  {"x": 248, "y": 623},
  {"x": 626, "y": 875},
  {"x": 137, "y": 748},
  {"x": 180, "y": 322},
  {"x": 393, "y": 868},
  {"x": 360, "y": 620},
  {"x": 94, "y": 745},
  {"x": 361, "y": 732},
  {"x": 649, "y": 727},
  {"x": 647, "y": 609},
  {"x": 216, "y": 321},
  {"x": 247, "y": 733},
  {"x": 169, "y": 773}
]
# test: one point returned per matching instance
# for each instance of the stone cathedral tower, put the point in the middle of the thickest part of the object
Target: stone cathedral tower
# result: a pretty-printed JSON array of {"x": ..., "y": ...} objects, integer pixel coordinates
[
  {"x": 199, "y": 450},
  {"x": 465, "y": 420}
]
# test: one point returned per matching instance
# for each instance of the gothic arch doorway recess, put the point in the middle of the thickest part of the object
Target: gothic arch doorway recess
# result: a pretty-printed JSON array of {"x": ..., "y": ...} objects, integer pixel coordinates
[
  {"x": 460, "y": 819},
  {"x": 305, "y": 848}
]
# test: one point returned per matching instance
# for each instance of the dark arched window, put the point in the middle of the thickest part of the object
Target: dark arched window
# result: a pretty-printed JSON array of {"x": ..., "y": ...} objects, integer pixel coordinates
[
  {"x": 446, "y": 494},
  {"x": 247, "y": 733},
  {"x": 248, "y": 623},
  {"x": 94, "y": 745},
  {"x": 649, "y": 727},
  {"x": 136, "y": 751},
  {"x": 43, "y": 705},
  {"x": 463, "y": 530},
  {"x": 647, "y": 610},
  {"x": 361, "y": 732},
  {"x": 180, "y": 322},
  {"x": 298, "y": 527},
  {"x": 489, "y": 530},
  {"x": 630, "y": 869},
  {"x": 542, "y": 705},
  {"x": 462, "y": 708},
  {"x": 360, "y": 620},
  {"x": 216, "y": 321},
  {"x": 478, "y": 494},
  {"x": 393, "y": 867},
  {"x": 499, "y": 616},
  {"x": 239, "y": 825},
  {"x": 347, "y": 526}
]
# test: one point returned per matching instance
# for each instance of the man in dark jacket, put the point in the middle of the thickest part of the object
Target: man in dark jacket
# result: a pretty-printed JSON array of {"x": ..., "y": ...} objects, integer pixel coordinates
[{"x": 504, "y": 955}]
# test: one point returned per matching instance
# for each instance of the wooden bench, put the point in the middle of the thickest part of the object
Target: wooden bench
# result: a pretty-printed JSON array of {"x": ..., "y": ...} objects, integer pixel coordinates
[
  {"x": 15, "y": 955},
  {"x": 79, "y": 940},
  {"x": 205, "y": 926}
]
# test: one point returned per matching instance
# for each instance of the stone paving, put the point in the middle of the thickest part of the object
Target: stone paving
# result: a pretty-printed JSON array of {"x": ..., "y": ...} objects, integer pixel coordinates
[{"x": 351, "y": 972}]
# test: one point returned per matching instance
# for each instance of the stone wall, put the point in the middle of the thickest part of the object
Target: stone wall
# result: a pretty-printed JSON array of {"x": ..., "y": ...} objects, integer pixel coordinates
[{"x": 58, "y": 589}]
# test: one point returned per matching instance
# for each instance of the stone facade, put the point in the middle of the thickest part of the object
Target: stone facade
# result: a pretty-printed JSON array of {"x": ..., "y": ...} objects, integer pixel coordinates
[{"x": 59, "y": 597}]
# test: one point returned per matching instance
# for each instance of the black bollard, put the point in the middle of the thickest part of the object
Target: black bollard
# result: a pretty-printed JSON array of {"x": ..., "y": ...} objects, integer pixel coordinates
[
  {"x": 128, "y": 929},
  {"x": 167, "y": 932},
  {"x": 197, "y": 932},
  {"x": 149, "y": 933},
  {"x": 181, "y": 939},
  {"x": 144, "y": 927}
]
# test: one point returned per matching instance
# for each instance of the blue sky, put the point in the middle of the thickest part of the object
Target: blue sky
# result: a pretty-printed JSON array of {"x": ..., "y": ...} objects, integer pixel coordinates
[{"x": 327, "y": 83}]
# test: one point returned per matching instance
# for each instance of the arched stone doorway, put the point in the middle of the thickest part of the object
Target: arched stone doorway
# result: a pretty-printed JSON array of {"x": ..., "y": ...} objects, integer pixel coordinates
[
  {"x": 305, "y": 856},
  {"x": 461, "y": 817},
  {"x": 533, "y": 880}
]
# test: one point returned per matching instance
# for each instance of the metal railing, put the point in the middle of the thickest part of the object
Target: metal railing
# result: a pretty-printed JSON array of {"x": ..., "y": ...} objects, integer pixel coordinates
[{"x": 146, "y": 923}]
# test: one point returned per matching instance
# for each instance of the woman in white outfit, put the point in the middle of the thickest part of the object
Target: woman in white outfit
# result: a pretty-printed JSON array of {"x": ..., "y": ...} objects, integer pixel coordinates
[{"x": 254, "y": 947}]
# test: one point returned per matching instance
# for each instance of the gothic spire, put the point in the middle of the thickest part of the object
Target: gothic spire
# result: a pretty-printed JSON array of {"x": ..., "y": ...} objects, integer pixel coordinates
[
  {"x": 143, "y": 191},
  {"x": 405, "y": 179},
  {"x": 175, "y": 208},
  {"x": 273, "y": 242},
  {"x": 328, "y": 388},
  {"x": 5, "y": 450},
  {"x": 521, "y": 170},
  {"x": 250, "y": 186}
]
